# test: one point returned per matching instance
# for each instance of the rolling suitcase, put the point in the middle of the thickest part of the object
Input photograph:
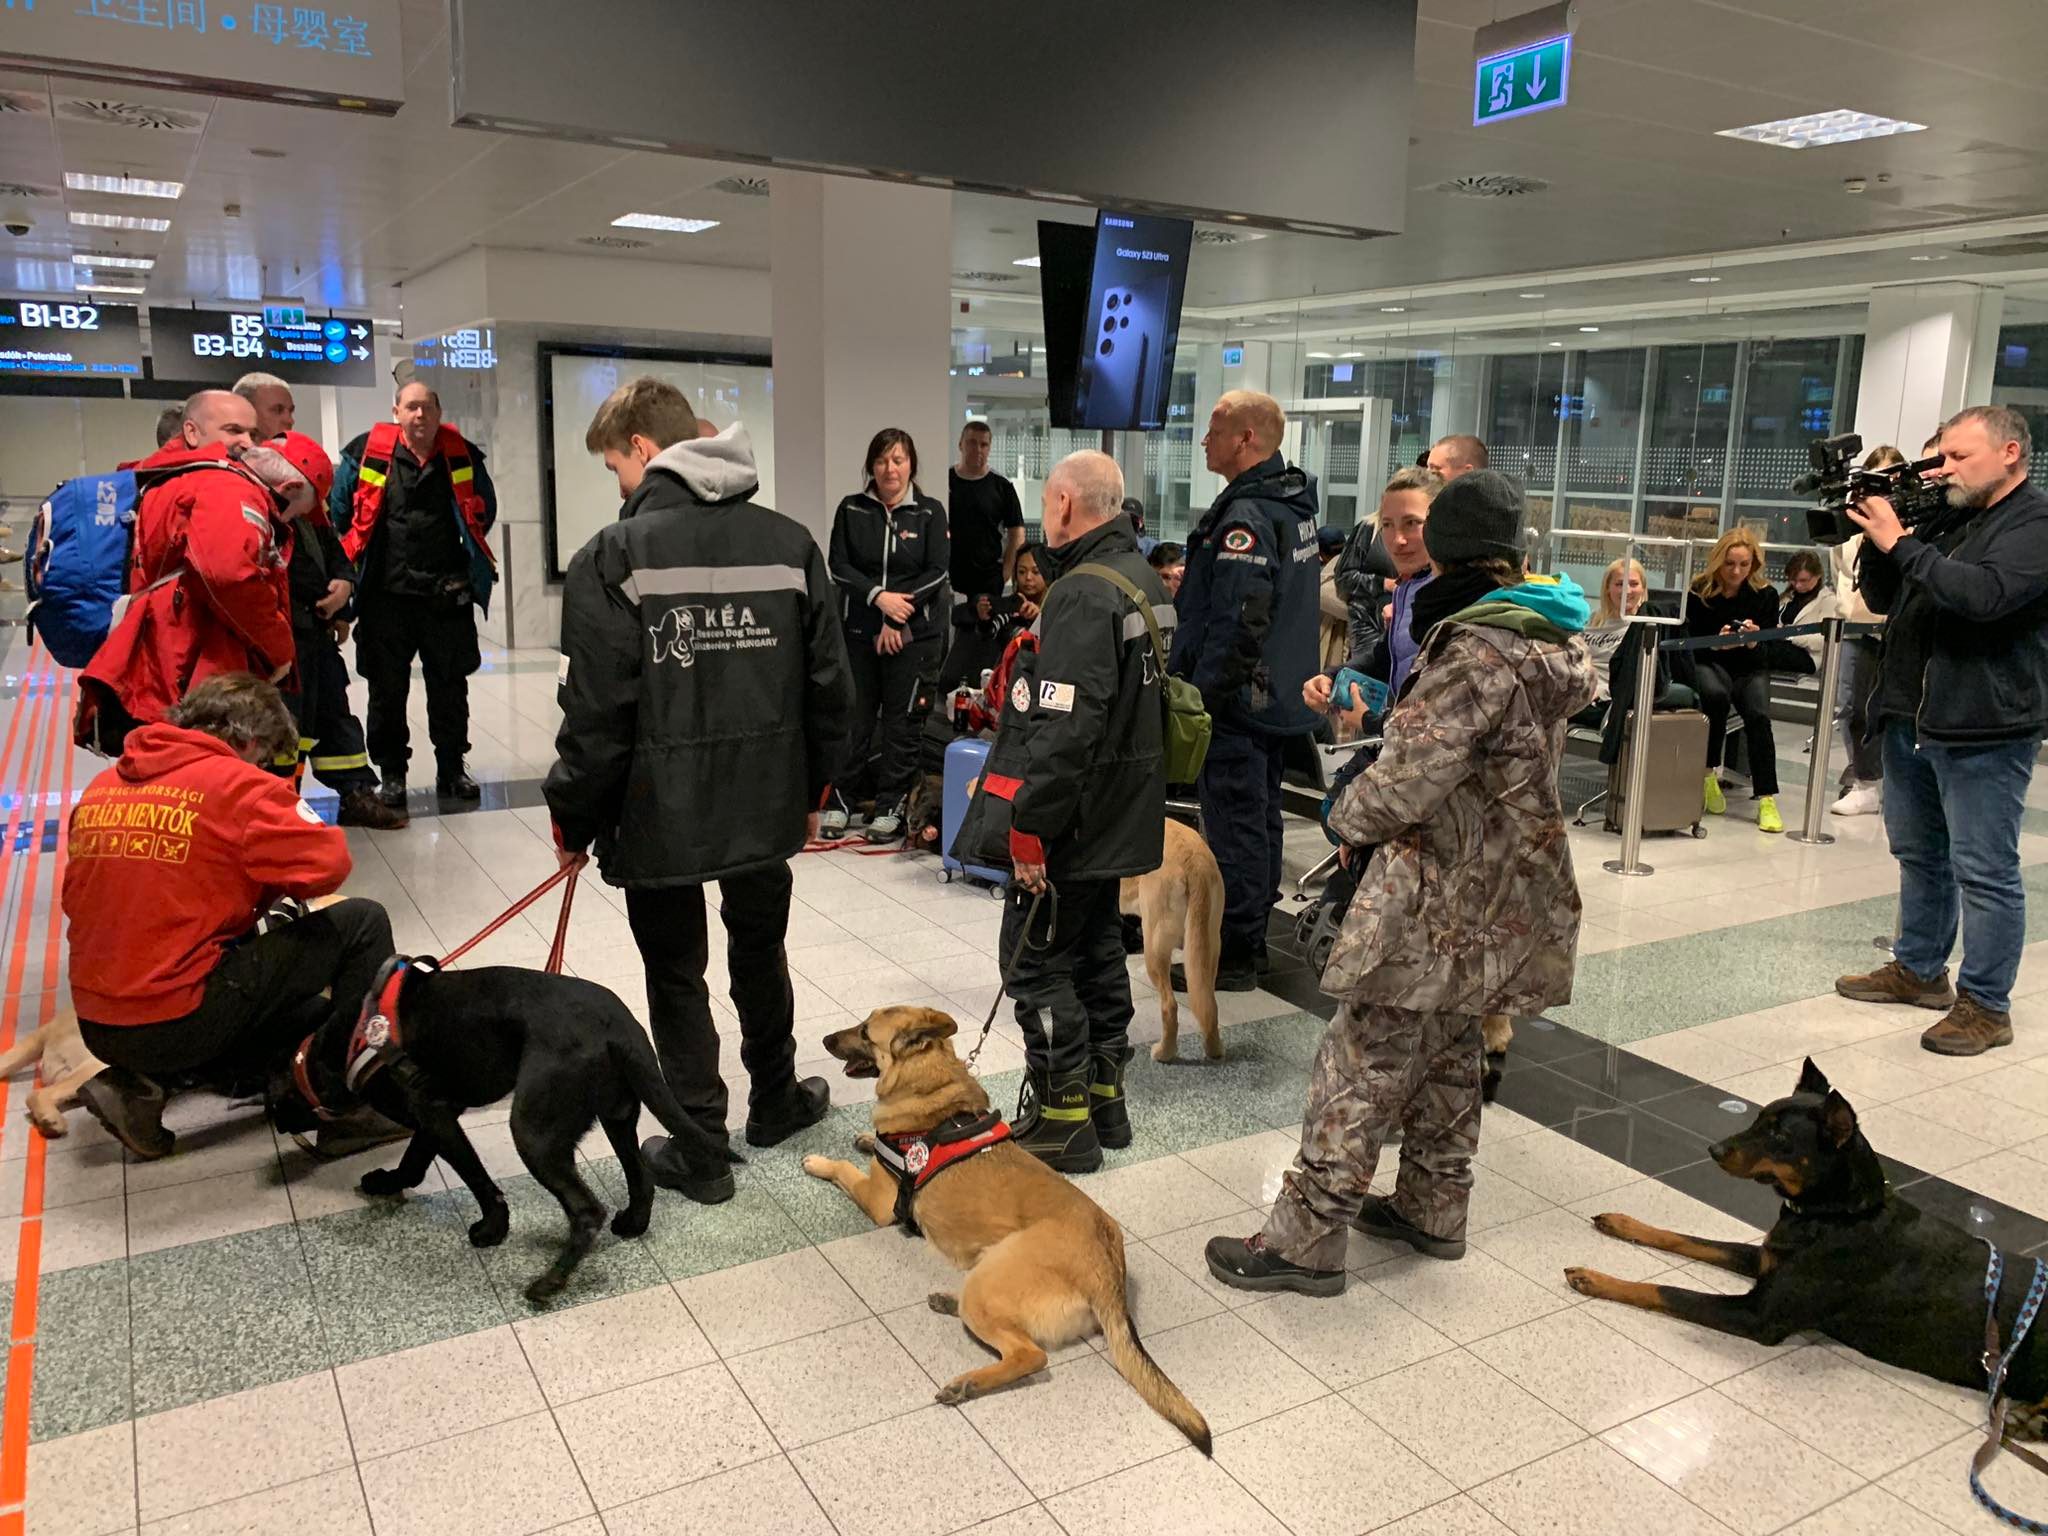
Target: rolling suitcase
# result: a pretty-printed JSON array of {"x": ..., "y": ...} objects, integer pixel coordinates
[
  {"x": 965, "y": 759},
  {"x": 1675, "y": 787}
]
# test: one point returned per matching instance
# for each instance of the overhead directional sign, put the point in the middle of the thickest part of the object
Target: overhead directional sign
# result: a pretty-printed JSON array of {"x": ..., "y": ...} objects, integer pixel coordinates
[
  {"x": 65, "y": 338},
  {"x": 218, "y": 346},
  {"x": 1532, "y": 78}
]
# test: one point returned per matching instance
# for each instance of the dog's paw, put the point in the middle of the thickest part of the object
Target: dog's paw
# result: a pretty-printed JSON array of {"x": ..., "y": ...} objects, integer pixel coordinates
[
  {"x": 629, "y": 1223},
  {"x": 818, "y": 1167},
  {"x": 381, "y": 1183},
  {"x": 1614, "y": 1224},
  {"x": 489, "y": 1229},
  {"x": 864, "y": 1143},
  {"x": 953, "y": 1393},
  {"x": 1161, "y": 1051},
  {"x": 944, "y": 1303},
  {"x": 1213, "y": 1049},
  {"x": 1587, "y": 1282}
]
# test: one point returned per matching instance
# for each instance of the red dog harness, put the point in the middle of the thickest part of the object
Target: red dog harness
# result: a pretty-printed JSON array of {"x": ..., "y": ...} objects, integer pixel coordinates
[
  {"x": 914, "y": 1159},
  {"x": 374, "y": 1044}
]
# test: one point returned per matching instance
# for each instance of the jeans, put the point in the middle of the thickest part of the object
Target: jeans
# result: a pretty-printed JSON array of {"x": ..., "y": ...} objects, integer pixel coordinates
[
  {"x": 1240, "y": 798},
  {"x": 1074, "y": 993},
  {"x": 1862, "y": 742},
  {"x": 669, "y": 926},
  {"x": 1952, "y": 814},
  {"x": 1749, "y": 695}
]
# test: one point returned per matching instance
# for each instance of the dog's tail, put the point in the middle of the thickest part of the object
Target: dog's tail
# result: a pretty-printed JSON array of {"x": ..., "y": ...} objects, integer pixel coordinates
[
  {"x": 636, "y": 1064},
  {"x": 1111, "y": 1305}
]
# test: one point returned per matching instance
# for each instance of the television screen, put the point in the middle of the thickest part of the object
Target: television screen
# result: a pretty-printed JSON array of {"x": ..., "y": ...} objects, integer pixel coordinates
[
  {"x": 1131, "y": 322},
  {"x": 1066, "y": 262}
]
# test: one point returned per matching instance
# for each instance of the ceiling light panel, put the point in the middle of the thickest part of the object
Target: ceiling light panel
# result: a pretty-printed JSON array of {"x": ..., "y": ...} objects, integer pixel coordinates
[
  {"x": 101, "y": 259},
  {"x": 106, "y": 288},
  {"x": 664, "y": 222},
  {"x": 118, "y": 221},
  {"x": 1025, "y": 261},
  {"x": 1840, "y": 126},
  {"x": 122, "y": 186}
]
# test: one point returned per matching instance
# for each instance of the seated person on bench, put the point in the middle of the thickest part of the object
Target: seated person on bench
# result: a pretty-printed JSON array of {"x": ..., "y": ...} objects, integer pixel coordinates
[
  {"x": 189, "y": 953},
  {"x": 1808, "y": 600},
  {"x": 1623, "y": 591}
]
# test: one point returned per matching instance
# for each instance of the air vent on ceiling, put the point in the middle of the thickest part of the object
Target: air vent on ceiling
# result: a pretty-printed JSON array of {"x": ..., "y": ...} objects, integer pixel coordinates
[
  {"x": 985, "y": 277},
  {"x": 742, "y": 186},
  {"x": 1491, "y": 186},
  {"x": 1227, "y": 236},
  {"x": 129, "y": 114},
  {"x": 22, "y": 192},
  {"x": 27, "y": 103},
  {"x": 612, "y": 242},
  {"x": 2018, "y": 245}
]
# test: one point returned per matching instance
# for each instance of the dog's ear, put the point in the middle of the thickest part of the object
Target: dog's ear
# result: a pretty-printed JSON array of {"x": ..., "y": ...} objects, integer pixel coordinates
[
  {"x": 1812, "y": 1079},
  {"x": 929, "y": 1027},
  {"x": 1838, "y": 1119}
]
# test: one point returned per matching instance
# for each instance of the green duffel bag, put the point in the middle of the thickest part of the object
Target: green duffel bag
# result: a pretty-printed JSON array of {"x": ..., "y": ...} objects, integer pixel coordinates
[{"x": 1185, "y": 728}]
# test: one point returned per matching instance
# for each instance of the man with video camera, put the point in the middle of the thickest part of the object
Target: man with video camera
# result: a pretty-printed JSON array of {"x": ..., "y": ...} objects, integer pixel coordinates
[{"x": 1962, "y": 703}]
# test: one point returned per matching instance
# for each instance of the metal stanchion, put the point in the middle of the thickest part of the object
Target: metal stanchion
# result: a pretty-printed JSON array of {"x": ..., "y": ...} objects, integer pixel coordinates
[
  {"x": 1823, "y": 735},
  {"x": 1630, "y": 862}
]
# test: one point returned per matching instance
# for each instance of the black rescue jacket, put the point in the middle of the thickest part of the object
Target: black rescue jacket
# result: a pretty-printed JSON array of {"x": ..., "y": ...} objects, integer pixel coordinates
[
  {"x": 1966, "y": 648},
  {"x": 876, "y": 549},
  {"x": 1075, "y": 775},
  {"x": 704, "y": 686}
]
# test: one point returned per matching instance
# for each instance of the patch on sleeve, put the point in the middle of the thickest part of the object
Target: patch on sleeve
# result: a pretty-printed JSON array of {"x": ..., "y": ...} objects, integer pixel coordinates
[
  {"x": 1239, "y": 541},
  {"x": 1020, "y": 695},
  {"x": 307, "y": 813},
  {"x": 1059, "y": 696},
  {"x": 562, "y": 671}
]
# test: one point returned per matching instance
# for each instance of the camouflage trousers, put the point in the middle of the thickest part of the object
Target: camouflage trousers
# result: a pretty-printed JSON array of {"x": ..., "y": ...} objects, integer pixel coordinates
[{"x": 1379, "y": 1068}]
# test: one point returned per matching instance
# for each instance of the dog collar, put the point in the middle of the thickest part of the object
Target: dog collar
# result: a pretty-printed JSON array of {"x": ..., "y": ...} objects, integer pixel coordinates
[
  {"x": 374, "y": 1043},
  {"x": 914, "y": 1159}
]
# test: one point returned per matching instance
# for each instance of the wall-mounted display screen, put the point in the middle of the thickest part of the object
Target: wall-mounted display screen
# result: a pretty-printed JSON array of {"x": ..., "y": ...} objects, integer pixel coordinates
[
  {"x": 69, "y": 338},
  {"x": 218, "y": 346},
  {"x": 1131, "y": 324}
]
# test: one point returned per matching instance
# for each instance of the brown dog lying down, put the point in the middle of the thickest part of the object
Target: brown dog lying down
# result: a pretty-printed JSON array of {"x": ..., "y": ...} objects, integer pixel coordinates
[
  {"x": 67, "y": 1066},
  {"x": 1043, "y": 1261},
  {"x": 1181, "y": 906}
]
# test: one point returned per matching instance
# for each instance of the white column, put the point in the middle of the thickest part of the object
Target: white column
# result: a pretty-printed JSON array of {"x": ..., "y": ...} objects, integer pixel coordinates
[
  {"x": 861, "y": 284},
  {"x": 1928, "y": 351}
]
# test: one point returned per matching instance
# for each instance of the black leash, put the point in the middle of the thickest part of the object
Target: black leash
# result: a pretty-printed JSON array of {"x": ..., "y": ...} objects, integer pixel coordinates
[{"x": 1017, "y": 954}]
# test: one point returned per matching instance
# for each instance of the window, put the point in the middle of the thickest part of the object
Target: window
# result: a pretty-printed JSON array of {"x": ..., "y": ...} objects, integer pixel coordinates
[
  {"x": 2019, "y": 377},
  {"x": 1685, "y": 451},
  {"x": 1521, "y": 425},
  {"x": 1788, "y": 399}
]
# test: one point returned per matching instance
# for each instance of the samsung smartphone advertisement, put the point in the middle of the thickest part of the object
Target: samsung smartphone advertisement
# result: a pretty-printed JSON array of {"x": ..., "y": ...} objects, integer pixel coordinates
[{"x": 1132, "y": 322}]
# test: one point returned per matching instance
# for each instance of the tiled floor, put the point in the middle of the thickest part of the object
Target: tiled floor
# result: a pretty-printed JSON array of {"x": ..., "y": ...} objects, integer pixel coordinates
[{"x": 235, "y": 1341}]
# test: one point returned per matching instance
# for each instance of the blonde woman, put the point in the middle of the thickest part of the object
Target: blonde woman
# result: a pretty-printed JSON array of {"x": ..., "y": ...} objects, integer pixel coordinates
[
  {"x": 1622, "y": 592},
  {"x": 1733, "y": 598}
]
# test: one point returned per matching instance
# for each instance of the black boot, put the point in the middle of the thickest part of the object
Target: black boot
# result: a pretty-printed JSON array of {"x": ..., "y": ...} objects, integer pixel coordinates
[
  {"x": 801, "y": 1105},
  {"x": 456, "y": 784},
  {"x": 392, "y": 791},
  {"x": 1053, "y": 1124},
  {"x": 673, "y": 1168},
  {"x": 131, "y": 1107},
  {"x": 1134, "y": 934},
  {"x": 1108, "y": 1110},
  {"x": 1237, "y": 968}
]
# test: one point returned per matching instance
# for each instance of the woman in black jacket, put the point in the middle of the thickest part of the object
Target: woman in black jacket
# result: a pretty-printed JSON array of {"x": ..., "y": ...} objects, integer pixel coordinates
[
  {"x": 1730, "y": 598},
  {"x": 889, "y": 556}
]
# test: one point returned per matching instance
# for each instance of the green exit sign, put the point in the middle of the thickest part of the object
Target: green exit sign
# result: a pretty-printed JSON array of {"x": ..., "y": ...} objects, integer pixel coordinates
[{"x": 1527, "y": 79}]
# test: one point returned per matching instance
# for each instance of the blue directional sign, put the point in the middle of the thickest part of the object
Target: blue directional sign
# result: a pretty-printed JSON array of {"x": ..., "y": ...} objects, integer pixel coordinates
[
  {"x": 1532, "y": 78},
  {"x": 218, "y": 346}
]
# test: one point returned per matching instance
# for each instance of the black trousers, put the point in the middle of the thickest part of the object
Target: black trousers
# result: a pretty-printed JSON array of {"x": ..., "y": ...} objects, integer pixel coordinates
[
  {"x": 258, "y": 999},
  {"x": 881, "y": 754},
  {"x": 669, "y": 926},
  {"x": 1239, "y": 793},
  {"x": 1749, "y": 695},
  {"x": 330, "y": 736},
  {"x": 393, "y": 630},
  {"x": 1070, "y": 985}
]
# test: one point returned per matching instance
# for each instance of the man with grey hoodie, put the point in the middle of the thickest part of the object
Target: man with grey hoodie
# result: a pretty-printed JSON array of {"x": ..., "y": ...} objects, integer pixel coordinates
[{"x": 705, "y": 697}]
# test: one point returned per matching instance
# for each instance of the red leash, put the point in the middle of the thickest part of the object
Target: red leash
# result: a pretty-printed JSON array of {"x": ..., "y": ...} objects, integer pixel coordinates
[{"x": 567, "y": 872}]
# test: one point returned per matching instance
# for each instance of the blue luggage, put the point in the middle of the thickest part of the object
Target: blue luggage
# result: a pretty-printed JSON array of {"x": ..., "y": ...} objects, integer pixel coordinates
[{"x": 965, "y": 759}]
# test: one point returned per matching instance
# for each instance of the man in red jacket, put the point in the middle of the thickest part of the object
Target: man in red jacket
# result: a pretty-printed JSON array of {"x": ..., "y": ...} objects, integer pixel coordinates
[
  {"x": 209, "y": 589},
  {"x": 183, "y": 959}
]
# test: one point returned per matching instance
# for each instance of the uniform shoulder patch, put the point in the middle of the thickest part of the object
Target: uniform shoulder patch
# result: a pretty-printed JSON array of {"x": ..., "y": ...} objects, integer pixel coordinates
[
  {"x": 1240, "y": 541},
  {"x": 307, "y": 813},
  {"x": 1057, "y": 696},
  {"x": 1020, "y": 695}
]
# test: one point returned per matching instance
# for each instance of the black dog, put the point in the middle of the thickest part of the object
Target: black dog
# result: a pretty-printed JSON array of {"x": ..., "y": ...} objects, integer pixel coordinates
[
  {"x": 1846, "y": 1257},
  {"x": 430, "y": 1044}
]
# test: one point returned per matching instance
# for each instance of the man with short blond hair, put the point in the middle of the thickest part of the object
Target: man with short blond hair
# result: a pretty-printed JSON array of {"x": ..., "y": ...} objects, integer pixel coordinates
[
  {"x": 1250, "y": 607},
  {"x": 1458, "y": 454}
]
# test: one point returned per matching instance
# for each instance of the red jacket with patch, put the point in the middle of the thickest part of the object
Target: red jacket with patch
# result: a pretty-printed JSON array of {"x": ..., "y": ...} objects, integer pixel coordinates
[
  {"x": 173, "y": 852},
  {"x": 229, "y": 608}
]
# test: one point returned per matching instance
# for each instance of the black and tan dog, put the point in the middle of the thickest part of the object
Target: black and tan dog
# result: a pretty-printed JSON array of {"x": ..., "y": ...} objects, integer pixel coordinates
[
  {"x": 1043, "y": 1261},
  {"x": 430, "y": 1044},
  {"x": 1846, "y": 1257}
]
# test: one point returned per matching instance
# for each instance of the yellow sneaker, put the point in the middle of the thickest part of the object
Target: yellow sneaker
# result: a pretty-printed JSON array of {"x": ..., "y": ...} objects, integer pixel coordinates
[
  {"x": 1717, "y": 803},
  {"x": 1767, "y": 817}
]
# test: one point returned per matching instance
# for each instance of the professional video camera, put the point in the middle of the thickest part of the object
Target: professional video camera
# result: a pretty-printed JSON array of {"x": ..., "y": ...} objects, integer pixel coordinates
[{"x": 1838, "y": 483}]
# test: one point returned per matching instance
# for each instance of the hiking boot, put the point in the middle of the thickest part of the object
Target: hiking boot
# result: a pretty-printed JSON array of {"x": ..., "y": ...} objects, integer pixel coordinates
[
  {"x": 801, "y": 1105},
  {"x": 1107, "y": 1108},
  {"x": 1767, "y": 817},
  {"x": 1378, "y": 1218},
  {"x": 131, "y": 1107},
  {"x": 1053, "y": 1123},
  {"x": 457, "y": 785},
  {"x": 392, "y": 790},
  {"x": 670, "y": 1167},
  {"x": 1717, "y": 803},
  {"x": 1859, "y": 799},
  {"x": 365, "y": 807},
  {"x": 1968, "y": 1029},
  {"x": 1247, "y": 1264},
  {"x": 1893, "y": 983},
  {"x": 886, "y": 825}
]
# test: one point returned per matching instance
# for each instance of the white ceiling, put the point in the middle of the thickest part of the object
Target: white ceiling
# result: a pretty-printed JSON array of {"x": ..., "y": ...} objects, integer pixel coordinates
[{"x": 339, "y": 210}]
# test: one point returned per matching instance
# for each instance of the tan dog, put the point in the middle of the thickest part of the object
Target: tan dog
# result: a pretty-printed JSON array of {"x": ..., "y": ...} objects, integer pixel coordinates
[
  {"x": 1043, "y": 1261},
  {"x": 66, "y": 1067},
  {"x": 1181, "y": 906}
]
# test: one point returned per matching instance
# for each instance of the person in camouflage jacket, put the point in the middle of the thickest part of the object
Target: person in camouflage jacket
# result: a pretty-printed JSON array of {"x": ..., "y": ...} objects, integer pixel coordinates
[{"x": 1468, "y": 907}]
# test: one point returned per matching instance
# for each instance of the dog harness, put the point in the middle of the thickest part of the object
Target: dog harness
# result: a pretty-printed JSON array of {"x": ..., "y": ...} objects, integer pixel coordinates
[
  {"x": 375, "y": 1043},
  {"x": 1998, "y": 1361},
  {"x": 914, "y": 1159}
]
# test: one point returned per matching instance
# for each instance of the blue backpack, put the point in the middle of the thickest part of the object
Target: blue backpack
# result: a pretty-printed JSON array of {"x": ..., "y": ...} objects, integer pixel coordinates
[{"x": 76, "y": 563}]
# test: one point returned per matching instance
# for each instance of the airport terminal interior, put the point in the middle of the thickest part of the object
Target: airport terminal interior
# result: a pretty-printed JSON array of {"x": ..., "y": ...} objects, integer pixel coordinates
[{"x": 1647, "y": 252}]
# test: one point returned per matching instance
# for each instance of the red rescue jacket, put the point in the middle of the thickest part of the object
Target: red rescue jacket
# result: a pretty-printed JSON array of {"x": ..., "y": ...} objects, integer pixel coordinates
[
  {"x": 368, "y": 504},
  {"x": 174, "y": 851},
  {"x": 227, "y": 606}
]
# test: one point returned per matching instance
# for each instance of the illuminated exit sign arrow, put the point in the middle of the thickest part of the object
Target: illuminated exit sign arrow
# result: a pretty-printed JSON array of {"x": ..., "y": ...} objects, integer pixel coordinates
[{"x": 1532, "y": 78}]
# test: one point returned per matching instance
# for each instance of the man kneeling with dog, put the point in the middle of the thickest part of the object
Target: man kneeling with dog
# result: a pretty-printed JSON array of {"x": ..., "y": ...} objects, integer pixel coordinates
[{"x": 190, "y": 953}]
